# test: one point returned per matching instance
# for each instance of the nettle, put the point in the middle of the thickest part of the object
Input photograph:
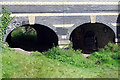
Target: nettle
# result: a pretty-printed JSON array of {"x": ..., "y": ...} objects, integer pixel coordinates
[{"x": 5, "y": 20}]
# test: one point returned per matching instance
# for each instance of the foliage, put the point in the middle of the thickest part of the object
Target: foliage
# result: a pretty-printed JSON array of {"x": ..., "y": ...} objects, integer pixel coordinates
[
  {"x": 17, "y": 65},
  {"x": 107, "y": 55},
  {"x": 75, "y": 59},
  {"x": 4, "y": 22},
  {"x": 21, "y": 34}
]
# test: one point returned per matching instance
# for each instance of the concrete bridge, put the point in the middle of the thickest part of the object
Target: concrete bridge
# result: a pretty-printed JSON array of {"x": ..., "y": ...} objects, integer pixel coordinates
[{"x": 79, "y": 20}]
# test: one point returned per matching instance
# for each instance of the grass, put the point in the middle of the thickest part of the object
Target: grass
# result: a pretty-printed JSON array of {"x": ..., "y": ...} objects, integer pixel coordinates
[
  {"x": 17, "y": 65},
  {"x": 0, "y": 64}
]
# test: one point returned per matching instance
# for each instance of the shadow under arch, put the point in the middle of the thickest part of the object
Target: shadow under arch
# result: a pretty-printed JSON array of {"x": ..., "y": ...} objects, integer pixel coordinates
[
  {"x": 91, "y": 36},
  {"x": 45, "y": 39}
]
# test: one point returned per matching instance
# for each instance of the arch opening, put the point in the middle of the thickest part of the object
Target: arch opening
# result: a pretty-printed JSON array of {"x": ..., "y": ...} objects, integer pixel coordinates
[
  {"x": 32, "y": 38},
  {"x": 90, "y": 37}
]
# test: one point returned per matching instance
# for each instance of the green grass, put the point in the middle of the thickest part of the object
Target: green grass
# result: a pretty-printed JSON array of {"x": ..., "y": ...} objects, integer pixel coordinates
[
  {"x": 0, "y": 64},
  {"x": 17, "y": 65}
]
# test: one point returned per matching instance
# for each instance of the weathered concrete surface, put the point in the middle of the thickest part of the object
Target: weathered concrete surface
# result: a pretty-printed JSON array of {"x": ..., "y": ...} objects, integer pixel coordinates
[
  {"x": 61, "y": 8},
  {"x": 86, "y": 55},
  {"x": 19, "y": 50}
]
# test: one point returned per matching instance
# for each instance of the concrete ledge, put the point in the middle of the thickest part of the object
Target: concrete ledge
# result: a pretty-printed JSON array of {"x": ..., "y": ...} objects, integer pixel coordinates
[
  {"x": 63, "y": 25},
  {"x": 63, "y": 46},
  {"x": 63, "y": 42},
  {"x": 116, "y": 40},
  {"x": 115, "y": 24},
  {"x": 63, "y": 36},
  {"x": 60, "y": 14}
]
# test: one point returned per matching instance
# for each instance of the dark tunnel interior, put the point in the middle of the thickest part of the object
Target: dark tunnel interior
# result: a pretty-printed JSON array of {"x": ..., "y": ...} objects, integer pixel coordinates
[
  {"x": 118, "y": 27},
  {"x": 32, "y": 38},
  {"x": 91, "y": 37}
]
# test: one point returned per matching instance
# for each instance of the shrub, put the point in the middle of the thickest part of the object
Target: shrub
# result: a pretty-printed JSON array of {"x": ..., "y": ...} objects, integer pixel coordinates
[
  {"x": 69, "y": 56},
  {"x": 5, "y": 20},
  {"x": 107, "y": 55}
]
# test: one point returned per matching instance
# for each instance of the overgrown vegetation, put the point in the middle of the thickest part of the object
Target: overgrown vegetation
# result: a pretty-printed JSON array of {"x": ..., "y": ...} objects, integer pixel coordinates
[
  {"x": 0, "y": 63},
  {"x": 4, "y": 22},
  {"x": 109, "y": 55},
  {"x": 71, "y": 57},
  {"x": 106, "y": 56},
  {"x": 57, "y": 63}
]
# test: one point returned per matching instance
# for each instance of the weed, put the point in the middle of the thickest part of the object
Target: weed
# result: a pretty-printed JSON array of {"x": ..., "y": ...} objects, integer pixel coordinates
[
  {"x": 65, "y": 56},
  {"x": 107, "y": 55},
  {"x": 4, "y": 23}
]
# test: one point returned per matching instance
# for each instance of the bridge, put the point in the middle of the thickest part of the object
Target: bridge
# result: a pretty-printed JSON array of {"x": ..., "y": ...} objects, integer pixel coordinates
[{"x": 84, "y": 22}]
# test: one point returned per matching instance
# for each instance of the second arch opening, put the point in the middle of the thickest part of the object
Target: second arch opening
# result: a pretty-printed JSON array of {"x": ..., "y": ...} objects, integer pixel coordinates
[{"x": 90, "y": 37}]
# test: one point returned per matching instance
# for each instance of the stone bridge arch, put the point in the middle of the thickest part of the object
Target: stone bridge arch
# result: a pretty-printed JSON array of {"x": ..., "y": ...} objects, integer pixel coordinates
[
  {"x": 45, "y": 32},
  {"x": 82, "y": 23},
  {"x": 102, "y": 35},
  {"x": 21, "y": 21}
]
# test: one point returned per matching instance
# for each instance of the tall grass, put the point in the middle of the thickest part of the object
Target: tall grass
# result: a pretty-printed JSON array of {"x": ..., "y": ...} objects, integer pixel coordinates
[
  {"x": 70, "y": 56},
  {"x": 55, "y": 63},
  {"x": 0, "y": 63},
  {"x": 109, "y": 55},
  {"x": 105, "y": 56}
]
